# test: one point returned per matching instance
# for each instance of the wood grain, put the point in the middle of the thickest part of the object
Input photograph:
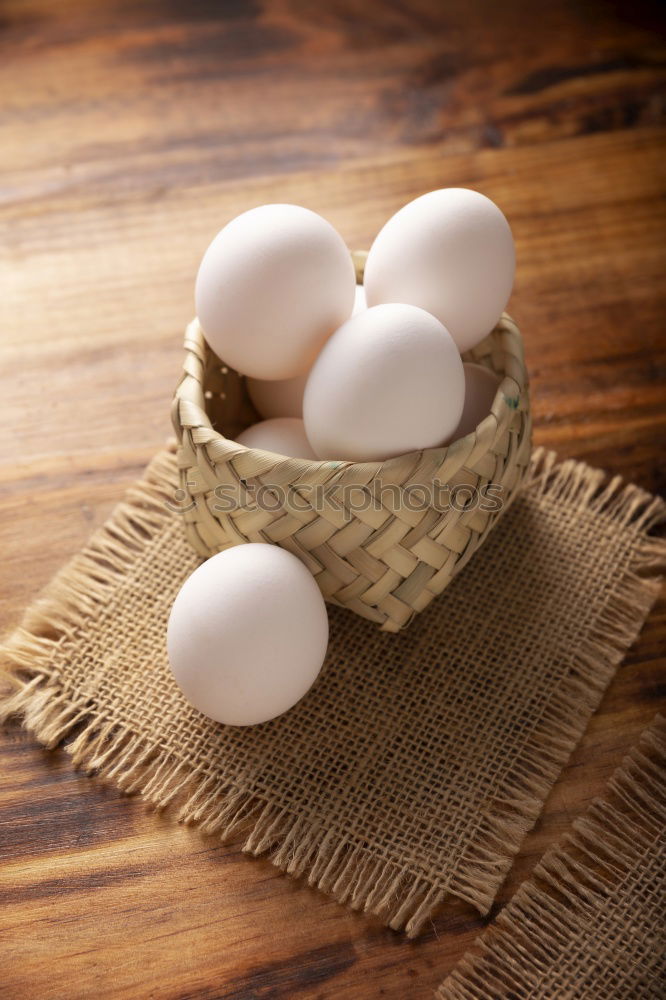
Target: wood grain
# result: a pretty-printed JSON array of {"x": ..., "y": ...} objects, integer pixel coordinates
[{"x": 130, "y": 133}]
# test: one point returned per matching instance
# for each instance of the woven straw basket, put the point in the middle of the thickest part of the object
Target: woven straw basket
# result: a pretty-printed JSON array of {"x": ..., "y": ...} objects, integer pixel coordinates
[{"x": 367, "y": 531}]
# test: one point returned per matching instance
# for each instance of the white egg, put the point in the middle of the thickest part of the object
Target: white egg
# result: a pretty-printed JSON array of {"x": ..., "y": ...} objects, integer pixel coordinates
[
  {"x": 480, "y": 389},
  {"x": 247, "y": 634},
  {"x": 283, "y": 435},
  {"x": 450, "y": 252},
  {"x": 389, "y": 381},
  {"x": 272, "y": 287}
]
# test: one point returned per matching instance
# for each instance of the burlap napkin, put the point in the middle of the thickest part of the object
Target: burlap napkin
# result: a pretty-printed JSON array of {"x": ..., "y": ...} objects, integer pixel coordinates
[
  {"x": 418, "y": 761},
  {"x": 591, "y": 921}
]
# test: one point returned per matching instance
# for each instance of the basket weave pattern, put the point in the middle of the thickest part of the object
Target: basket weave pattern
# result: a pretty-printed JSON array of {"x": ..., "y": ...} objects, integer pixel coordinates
[{"x": 383, "y": 559}]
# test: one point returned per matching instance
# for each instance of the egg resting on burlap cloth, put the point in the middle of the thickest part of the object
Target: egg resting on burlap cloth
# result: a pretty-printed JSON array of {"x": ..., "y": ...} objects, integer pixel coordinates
[{"x": 417, "y": 762}]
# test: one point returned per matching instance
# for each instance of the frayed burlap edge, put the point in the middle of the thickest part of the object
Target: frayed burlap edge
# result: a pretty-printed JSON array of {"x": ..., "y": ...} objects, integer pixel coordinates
[
  {"x": 104, "y": 747},
  {"x": 575, "y": 882}
]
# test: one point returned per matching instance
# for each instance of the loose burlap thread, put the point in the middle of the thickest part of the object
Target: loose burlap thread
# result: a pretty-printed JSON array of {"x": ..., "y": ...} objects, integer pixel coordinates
[
  {"x": 418, "y": 761},
  {"x": 591, "y": 920}
]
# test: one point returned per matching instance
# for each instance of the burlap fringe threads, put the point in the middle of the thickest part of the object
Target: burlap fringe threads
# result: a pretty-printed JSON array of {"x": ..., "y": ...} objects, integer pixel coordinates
[
  {"x": 589, "y": 922},
  {"x": 401, "y": 898}
]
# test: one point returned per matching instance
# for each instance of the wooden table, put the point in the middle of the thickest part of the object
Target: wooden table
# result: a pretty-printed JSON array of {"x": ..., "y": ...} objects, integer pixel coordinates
[{"x": 131, "y": 133}]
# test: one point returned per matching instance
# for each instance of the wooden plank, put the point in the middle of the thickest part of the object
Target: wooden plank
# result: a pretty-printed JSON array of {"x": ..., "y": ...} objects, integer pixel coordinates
[{"x": 131, "y": 132}]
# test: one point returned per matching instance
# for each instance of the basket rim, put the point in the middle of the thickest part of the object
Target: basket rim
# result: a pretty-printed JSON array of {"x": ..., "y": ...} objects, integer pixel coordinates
[{"x": 189, "y": 410}]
